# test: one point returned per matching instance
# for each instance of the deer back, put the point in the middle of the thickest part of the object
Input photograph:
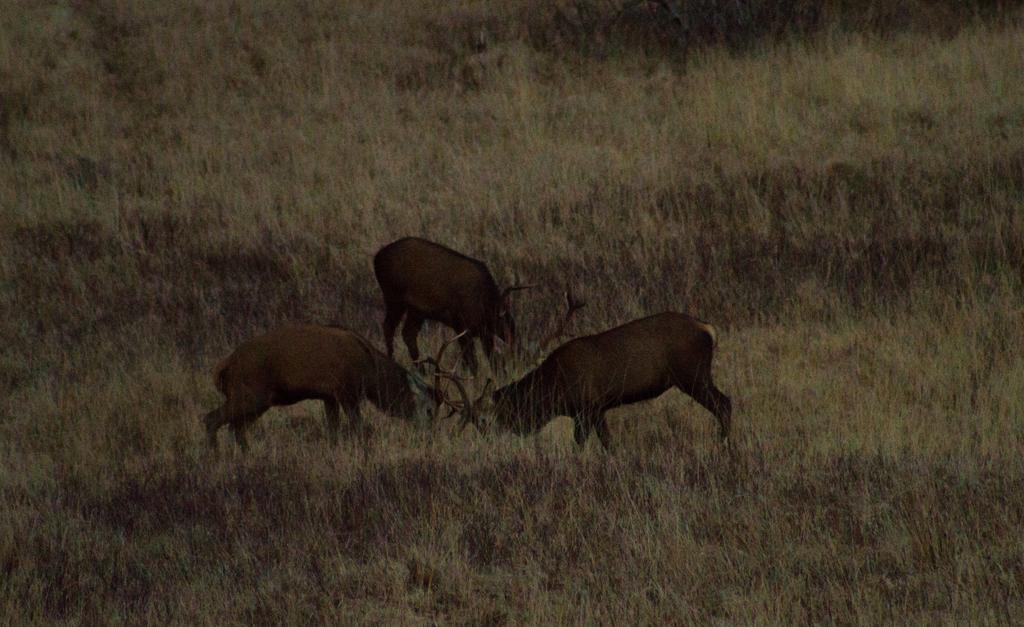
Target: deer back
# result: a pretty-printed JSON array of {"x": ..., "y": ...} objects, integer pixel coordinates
[
  {"x": 437, "y": 281},
  {"x": 625, "y": 363}
]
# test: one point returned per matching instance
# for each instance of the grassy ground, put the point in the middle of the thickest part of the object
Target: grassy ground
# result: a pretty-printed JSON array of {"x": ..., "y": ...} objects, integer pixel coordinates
[{"x": 844, "y": 205}]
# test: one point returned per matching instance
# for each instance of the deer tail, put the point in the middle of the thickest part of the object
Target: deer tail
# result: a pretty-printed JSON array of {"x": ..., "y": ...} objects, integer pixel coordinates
[{"x": 712, "y": 333}]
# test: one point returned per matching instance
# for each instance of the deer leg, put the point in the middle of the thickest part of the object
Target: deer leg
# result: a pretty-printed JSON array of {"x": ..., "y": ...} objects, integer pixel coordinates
[
  {"x": 497, "y": 359},
  {"x": 333, "y": 416},
  {"x": 487, "y": 342},
  {"x": 392, "y": 318},
  {"x": 240, "y": 423},
  {"x": 721, "y": 407},
  {"x": 214, "y": 420},
  {"x": 358, "y": 427},
  {"x": 703, "y": 391},
  {"x": 581, "y": 430},
  {"x": 601, "y": 427},
  {"x": 355, "y": 419},
  {"x": 468, "y": 354},
  {"x": 238, "y": 430},
  {"x": 232, "y": 413},
  {"x": 411, "y": 329}
]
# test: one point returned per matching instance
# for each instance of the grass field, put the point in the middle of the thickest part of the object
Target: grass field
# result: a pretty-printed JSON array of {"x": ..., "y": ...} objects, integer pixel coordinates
[{"x": 843, "y": 198}]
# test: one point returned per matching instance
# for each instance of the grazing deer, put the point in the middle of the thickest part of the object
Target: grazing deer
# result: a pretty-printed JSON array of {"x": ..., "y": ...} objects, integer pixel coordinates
[
  {"x": 587, "y": 376},
  {"x": 422, "y": 280},
  {"x": 331, "y": 364}
]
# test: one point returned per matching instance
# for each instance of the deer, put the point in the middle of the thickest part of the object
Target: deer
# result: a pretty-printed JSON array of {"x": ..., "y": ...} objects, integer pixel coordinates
[
  {"x": 315, "y": 362},
  {"x": 587, "y": 376},
  {"x": 422, "y": 280}
]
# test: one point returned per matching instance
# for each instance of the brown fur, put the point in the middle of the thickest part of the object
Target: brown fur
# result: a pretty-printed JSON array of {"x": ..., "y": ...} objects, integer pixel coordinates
[
  {"x": 634, "y": 362},
  {"x": 219, "y": 373},
  {"x": 302, "y": 362},
  {"x": 422, "y": 280}
]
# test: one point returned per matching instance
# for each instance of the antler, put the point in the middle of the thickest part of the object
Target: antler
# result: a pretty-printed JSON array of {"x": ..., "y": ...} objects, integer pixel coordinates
[
  {"x": 466, "y": 409},
  {"x": 441, "y": 373},
  {"x": 470, "y": 416},
  {"x": 573, "y": 304},
  {"x": 516, "y": 286},
  {"x": 435, "y": 361}
]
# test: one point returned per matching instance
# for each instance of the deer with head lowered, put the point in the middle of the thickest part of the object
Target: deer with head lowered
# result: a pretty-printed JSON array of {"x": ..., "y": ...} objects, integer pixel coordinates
[
  {"x": 422, "y": 280},
  {"x": 587, "y": 376},
  {"x": 315, "y": 362}
]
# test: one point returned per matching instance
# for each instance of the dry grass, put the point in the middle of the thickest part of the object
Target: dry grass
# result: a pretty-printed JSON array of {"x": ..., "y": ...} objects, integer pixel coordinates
[{"x": 846, "y": 206}]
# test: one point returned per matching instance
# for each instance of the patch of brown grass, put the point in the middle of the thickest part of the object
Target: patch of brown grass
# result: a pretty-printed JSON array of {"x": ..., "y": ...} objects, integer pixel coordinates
[{"x": 838, "y": 192}]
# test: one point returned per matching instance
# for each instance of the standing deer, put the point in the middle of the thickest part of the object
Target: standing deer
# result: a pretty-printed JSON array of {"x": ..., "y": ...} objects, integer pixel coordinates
[
  {"x": 422, "y": 280},
  {"x": 587, "y": 376},
  {"x": 331, "y": 364}
]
